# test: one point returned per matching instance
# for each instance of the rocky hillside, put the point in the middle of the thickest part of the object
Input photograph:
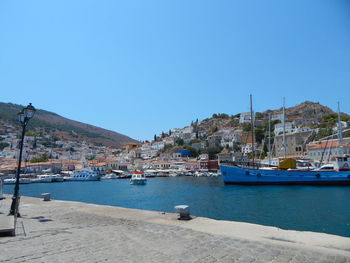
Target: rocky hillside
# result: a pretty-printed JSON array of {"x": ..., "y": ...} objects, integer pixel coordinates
[
  {"x": 307, "y": 110},
  {"x": 46, "y": 122},
  {"x": 311, "y": 111}
]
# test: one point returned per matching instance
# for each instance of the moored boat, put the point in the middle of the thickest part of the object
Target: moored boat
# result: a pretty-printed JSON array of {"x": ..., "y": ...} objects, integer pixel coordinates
[
  {"x": 21, "y": 181},
  {"x": 57, "y": 178},
  {"x": 83, "y": 175},
  {"x": 138, "y": 178},
  {"x": 252, "y": 173},
  {"x": 44, "y": 178},
  {"x": 339, "y": 175},
  {"x": 10, "y": 181}
]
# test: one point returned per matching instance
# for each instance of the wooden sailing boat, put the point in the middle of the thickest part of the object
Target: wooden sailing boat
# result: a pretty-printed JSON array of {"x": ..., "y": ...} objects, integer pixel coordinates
[{"x": 233, "y": 173}]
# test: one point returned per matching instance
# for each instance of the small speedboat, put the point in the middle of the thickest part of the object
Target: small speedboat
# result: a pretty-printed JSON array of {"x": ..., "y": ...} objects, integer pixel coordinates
[
  {"x": 44, "y": 178},
  {"x": 10, "y": 181},
  {"x": 138, "y": 178},
  {"x": 21, "y": 181}
]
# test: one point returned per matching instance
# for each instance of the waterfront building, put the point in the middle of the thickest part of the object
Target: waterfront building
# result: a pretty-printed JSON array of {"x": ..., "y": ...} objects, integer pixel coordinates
[
  {"x": 52, "y": 165},
  {"x": 132, "y": 146},
  {"x": 248, "y": 148},
  {"x": 326, "y": 150},
  {"x": 225, "y": 157},
  {"x": 147, "y": 154},
  {"x": 183, "y": 152},
  {"x": 295, "y": 143},
  {"x": 203, "y": 156},
  {"x": 161, "y": 165},
  {"x": 168, "y": 140},
  {"x": 279, "y": 128},
  {"x": 192, "y": 166},
  {"x": 209, "y": 165},
  {"x": 343, "y": 125},
  {"x": 278, "y": 116},
  {"x": 245, "y": 117},
  {"x": 125, "y": 166},
  {"x": 111, "y": 164},
  {"x": 198, "y": 145},
  {"x": 214, "y": 140},
  {"x": 303, "y": 122},
  {"x": 188, "y": 137},
  {"x": 202, "y": 134},
  {"x": 158, "y": 145}
]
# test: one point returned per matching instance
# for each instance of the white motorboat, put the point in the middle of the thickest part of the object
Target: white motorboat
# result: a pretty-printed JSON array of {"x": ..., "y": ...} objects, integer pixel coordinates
[
  {"x": 44, "y": 178},
  {"x": 83, "y": 175},
  {"x": 10, "y": 181},
  {"x": 138, "y": 178},
  {"x": 110, "y": 176},
  {"x": 56, "y": 178},
  {"x": 21, "y": 181}
]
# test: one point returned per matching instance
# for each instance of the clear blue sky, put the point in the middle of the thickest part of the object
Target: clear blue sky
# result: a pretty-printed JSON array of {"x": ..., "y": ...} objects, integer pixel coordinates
[{"x": 143, "y": 67}]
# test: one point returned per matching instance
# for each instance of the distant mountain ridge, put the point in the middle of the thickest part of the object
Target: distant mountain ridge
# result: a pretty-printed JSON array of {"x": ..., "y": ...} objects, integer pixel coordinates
[{"x": 50, "y": 123}]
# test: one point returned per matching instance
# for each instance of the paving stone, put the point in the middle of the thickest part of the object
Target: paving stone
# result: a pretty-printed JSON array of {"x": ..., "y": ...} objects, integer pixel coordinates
[{"x": 79, "y": 236}]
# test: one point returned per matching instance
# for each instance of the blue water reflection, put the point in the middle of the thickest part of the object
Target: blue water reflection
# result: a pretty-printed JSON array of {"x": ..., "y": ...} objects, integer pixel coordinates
[{"x": 310, "y": 208}]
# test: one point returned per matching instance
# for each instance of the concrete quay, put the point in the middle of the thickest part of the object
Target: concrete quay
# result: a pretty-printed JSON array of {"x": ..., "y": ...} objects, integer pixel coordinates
[{"x": 62, "y": 231}]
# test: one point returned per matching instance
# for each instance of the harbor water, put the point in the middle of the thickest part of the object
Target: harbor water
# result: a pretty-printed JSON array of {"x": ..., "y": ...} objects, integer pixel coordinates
[{"x": 306, "y": 208}]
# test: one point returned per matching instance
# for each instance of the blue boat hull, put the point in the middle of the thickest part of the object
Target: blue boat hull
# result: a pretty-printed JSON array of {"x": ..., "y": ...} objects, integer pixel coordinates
[{"x": 247, "y": 176}]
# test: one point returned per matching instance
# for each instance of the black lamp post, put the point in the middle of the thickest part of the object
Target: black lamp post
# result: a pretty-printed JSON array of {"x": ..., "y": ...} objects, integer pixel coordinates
[{"x": 24, "y": 116}]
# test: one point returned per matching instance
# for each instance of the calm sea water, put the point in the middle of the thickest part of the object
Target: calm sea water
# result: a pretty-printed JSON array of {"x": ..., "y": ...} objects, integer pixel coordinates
[{"x": 308, "y": 208}]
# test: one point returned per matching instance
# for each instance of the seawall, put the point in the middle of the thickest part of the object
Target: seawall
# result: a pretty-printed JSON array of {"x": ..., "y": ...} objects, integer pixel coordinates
[{"x": 62, "y": 231}]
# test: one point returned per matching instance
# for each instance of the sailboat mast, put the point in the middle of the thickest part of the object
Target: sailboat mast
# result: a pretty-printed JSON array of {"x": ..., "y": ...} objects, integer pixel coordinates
[
  {"x": 284, "y": 130},
  {"x": 269, "y": 139},
  {"x": 340, "y": 133},
  {"x": 252, "y": 125}
]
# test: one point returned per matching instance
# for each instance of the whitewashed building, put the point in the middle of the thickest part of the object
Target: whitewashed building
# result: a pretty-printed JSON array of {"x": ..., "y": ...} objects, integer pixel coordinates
[{"x": 245, "y": 117}]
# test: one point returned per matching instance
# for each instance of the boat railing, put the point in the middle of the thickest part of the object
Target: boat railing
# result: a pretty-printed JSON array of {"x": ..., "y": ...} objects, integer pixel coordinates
[{"x": 247, "y": 164}]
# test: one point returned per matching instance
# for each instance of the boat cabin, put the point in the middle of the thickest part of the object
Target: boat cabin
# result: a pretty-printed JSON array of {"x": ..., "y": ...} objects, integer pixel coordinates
[
  {"x": 342, "y": 163},
  {"x": 138, "y": 175}
]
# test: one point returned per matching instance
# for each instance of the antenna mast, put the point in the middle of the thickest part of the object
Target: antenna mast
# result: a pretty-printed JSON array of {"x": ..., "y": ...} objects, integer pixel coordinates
[
  {"x": 269, "y": 139},
  {"x": 340, "y": 133},
  {"x": 284, "y": 130},
  {"x": 252, "y": 124}
]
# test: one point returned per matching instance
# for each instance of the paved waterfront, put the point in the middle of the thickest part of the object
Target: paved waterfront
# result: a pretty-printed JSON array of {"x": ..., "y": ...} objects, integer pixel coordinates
[{"x": 60, "y": 231}]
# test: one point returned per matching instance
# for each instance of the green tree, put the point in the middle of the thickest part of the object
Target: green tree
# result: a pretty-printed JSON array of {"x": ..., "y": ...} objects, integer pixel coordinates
[
  {"x": 246, "y": 127},
  {"x": 167, "y": 147},
  {"x": 179, "y": 141},
  {"x": 3, "y": 145},
  {"x": 213, "y": 129},
  {"x": 42, "y": 158},
  {"x": 324, "y": 132},
  {"x": 212, "y": 152},
  {"x": 235, "y": 147},
  {"x": 259, "y": 135},
  {"x": 193, "y": 152}
]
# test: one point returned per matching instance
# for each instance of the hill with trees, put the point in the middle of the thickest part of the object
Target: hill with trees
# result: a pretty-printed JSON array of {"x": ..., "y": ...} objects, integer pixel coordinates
[{"x": 49, "y": 123}]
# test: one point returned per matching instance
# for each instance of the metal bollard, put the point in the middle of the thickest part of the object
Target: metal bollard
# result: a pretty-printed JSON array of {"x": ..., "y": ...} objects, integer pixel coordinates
[
  {"x": 46, "y": 196},
  {"x": 184, "y": 212}
]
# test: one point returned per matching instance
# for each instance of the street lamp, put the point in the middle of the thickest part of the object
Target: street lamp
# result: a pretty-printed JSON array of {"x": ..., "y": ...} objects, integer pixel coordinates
[{"x": 24, "y": 116}]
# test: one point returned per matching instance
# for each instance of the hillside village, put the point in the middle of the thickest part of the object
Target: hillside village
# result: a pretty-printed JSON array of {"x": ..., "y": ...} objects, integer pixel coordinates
[{"x": 311, "y": 132}]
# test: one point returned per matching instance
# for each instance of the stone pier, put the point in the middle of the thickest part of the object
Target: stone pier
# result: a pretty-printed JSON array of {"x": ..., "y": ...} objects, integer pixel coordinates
[{"x": 62, "y": 231}]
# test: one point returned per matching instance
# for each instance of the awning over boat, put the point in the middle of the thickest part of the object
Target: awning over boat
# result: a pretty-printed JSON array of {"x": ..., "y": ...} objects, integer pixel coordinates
[
  {"x": 150, "y": 171},
  {"x": 118, "y": 171}
]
